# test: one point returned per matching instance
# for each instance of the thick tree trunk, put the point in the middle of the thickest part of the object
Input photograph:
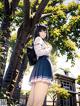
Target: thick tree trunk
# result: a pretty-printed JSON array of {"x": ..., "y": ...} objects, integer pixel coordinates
[
  {"x": 15, "y": 61},
  {"x": 4, "y": 38},
  {"x": 3, "y": 57},
  {"x": 17, "y": 88}
]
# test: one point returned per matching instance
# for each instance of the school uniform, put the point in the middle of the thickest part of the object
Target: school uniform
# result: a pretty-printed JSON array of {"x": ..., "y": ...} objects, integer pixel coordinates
[{"x": 42, "y": 70}]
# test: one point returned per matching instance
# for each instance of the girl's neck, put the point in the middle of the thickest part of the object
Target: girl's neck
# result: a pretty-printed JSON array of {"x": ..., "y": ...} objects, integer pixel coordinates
[{"x": 43, "y": 39}]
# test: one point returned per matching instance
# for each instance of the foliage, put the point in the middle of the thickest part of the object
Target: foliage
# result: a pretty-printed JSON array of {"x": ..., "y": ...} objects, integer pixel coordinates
[
  {"x": 66, "y": 70},
  {"x": 64, "y": 27},
  {"x": 1, "y": 11},
  {"x": 12, "y": 40},
  {"x": 78, "y": 79},
  {"x": 24, "y": 92},
  {"x": 57, "y": 90}
]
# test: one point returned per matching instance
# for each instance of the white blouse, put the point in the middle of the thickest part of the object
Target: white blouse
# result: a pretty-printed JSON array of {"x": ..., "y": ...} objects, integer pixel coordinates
[{"x": 41, "y": 47}]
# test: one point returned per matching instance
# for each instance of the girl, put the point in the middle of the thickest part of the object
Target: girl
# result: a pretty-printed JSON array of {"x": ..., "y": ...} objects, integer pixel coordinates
[{"x": 41, "y": 75}]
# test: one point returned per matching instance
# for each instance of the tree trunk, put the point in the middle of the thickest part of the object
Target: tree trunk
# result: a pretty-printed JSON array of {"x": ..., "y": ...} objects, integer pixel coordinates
[
  {"x": 5, "y": 35},
  {"x": 15, "y": 61},
  {"x": 17, "y": 89},
  {"x": 4, "y": 38}
]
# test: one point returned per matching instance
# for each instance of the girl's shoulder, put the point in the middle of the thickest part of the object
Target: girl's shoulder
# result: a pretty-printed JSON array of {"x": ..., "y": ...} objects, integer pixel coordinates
[{"x": 38, "y": 40}]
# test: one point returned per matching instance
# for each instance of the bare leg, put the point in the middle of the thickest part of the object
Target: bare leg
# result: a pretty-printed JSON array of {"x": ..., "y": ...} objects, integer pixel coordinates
[
  {"x": 31, "y": 96},
  {"x": 40, "y": 93}
]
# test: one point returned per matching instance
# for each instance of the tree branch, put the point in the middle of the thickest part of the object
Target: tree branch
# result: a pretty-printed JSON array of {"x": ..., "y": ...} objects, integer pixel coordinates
[
  {"x": 26, "y": 12},
  {"x": 34, "y": 6},
  {"x": 6, "y": 7},
  {"x": 14, "y": 4},
  {"x": 40, "y": 11},
  {"x": 45, "y": 15},
  {"x": 5, "y": 23}
]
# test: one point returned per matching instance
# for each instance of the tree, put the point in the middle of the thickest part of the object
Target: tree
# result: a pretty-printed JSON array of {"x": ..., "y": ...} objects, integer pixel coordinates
[
  {"x": 5, "y": 19},
  {"x": 66, "y": 71},
  {"x": 57, "y": 91}
]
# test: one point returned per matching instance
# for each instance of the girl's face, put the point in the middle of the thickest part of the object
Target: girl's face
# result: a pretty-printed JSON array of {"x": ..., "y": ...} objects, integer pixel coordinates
[{"x": 42, "y": 34}]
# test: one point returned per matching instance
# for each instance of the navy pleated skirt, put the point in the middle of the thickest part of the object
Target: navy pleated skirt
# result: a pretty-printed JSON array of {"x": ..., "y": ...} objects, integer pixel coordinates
[{"x": 42, "y": 70}]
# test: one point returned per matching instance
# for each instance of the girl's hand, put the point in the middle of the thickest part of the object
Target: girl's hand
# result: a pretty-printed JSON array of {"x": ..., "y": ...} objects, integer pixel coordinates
[{"x": 48, "y": 45}]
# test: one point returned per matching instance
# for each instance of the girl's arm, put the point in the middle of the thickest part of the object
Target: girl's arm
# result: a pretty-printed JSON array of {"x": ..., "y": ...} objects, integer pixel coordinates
[{"x": 38, "y": 47}]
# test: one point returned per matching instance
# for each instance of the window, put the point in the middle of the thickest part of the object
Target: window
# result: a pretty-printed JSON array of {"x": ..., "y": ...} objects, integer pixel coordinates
[{"x": 67, "y": 85}]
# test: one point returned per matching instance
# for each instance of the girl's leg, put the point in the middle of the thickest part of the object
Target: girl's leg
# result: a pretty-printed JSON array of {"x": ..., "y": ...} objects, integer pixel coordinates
[
  {"x": 41, "y": 89},
  {"x": 30, "y": 98}
]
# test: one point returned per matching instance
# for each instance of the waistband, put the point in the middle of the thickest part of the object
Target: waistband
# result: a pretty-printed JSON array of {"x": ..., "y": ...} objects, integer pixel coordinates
[{"x": 44, "y": 56}]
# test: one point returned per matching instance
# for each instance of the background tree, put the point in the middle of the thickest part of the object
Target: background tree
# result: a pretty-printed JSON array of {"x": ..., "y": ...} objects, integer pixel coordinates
[{"x": 57, "y": 91}]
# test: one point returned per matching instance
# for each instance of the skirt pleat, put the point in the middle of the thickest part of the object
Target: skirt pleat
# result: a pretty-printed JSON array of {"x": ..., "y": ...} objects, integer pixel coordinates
[{"x": 42, "y": 70}]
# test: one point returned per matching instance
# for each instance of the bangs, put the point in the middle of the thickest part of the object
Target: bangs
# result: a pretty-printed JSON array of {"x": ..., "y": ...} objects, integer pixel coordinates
[{"x": 42, "y": 28}]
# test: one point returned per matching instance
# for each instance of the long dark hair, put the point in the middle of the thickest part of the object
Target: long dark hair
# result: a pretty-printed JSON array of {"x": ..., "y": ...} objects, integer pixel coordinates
[{"x": 38, "y": 28}]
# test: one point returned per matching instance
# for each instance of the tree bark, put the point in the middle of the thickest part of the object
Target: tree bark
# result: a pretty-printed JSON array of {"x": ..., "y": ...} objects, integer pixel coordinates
[
  {"x": 14, "y": 4},
  {"x": 15, "y": 60},
  {"x": 17, "y": 88},
  {"x": 5, "y": 32},
  {"x": 4, "y": 38},
  {"x": 39, "y": 12}
]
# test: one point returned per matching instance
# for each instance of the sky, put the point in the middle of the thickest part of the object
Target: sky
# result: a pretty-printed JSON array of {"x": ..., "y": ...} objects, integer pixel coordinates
[
  {"x": 75, "y": 70},
  {"x": 67, "y": 1}
]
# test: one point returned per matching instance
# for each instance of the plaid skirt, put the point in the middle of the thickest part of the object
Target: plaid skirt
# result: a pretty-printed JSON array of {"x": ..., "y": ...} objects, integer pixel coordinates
[{"x": 42, "y": 70}]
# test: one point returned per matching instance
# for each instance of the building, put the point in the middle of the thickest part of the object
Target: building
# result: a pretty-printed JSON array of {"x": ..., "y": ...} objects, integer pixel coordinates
[{"x": 68, "y": 83}]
